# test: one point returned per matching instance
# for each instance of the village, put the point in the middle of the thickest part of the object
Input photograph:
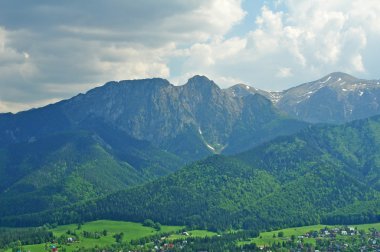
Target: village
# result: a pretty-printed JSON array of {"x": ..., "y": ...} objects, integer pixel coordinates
[{"x": 344, "y": 238}]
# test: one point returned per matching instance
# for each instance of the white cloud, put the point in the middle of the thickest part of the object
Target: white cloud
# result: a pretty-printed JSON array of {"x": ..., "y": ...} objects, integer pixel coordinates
[
  {"x": 317, "y": 37},
  {"x": 52, "y": 50},
  {"x": 310, "y": 38},
  {"x": 284, "y": 72}
]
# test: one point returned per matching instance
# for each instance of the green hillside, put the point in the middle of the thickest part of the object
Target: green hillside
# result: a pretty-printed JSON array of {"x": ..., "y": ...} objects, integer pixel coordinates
[
  {"x": 312, "y": 177},
  {"x": 65, "y": 168}
]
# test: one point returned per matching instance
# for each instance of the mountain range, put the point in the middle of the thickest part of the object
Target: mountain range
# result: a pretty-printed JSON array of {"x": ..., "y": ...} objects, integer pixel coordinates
[
  {"x": 95, "y": 148},
  {"x": 335, "y": 98}
]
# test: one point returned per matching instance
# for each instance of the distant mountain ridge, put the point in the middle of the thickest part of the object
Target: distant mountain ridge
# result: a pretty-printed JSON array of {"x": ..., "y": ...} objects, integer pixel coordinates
[
  {"x": 335, "y": 98},
  {"x": 156, "y": 111}
]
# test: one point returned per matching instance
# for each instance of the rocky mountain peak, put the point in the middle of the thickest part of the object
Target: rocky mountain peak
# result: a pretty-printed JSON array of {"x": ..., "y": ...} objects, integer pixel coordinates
[
  {"x": 336, "y": 76},
  {"x": 148, "y": 83},
  {"x": 201, "y": 82},
  {"x": 335, "y": 79},
  {"x": 241, "y": 90},
  {"x": 337, "y": 97}
]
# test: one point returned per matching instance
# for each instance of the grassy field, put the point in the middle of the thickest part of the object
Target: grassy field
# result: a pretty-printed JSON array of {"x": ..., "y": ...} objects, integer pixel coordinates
[
  {"x": 193, "y": 233},
  {"x": 134, "y": 231},
  {"x": 130, "y": 230},
  {"x": 267, "y": 238}
]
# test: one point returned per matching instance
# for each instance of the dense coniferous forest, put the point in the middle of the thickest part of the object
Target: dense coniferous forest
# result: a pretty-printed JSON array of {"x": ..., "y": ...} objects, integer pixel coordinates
[
  {"x": 25, "y": 236},
  {"x": 325, "y": 174},
  {"x": 121, "y": 135},
  {"x": 65, "y": 168}
]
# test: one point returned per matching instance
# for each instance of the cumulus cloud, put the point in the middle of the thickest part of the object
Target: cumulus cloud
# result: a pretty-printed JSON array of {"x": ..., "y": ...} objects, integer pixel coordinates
[
  {"x": 53, "y": 50},
  {"x": 284, "y": 72},
  {"x": 296, "y": 41},
  {"x": 323, "y": 36}
]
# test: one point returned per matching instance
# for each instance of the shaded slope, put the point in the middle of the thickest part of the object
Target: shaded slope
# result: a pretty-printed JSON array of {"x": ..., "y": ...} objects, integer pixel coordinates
[
  {"x": 123, "y": 134},
  {"x": 69, "y": 167},
  {"x": 191, "y": 121}
]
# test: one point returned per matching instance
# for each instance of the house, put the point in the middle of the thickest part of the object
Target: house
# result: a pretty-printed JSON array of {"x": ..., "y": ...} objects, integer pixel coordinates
[
  {"x": 344, "y": 232},
  {"x": 71, "y": 239}
]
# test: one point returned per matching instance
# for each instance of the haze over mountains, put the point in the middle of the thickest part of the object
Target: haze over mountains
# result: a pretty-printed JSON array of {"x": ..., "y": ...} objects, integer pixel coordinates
[{"x": 128, "y": 133}]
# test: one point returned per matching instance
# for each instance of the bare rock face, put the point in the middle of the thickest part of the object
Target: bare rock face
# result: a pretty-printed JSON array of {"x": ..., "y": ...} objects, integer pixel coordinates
[
  {"x": 335, "y": 98},
  {"x": 192, "y": 120}
]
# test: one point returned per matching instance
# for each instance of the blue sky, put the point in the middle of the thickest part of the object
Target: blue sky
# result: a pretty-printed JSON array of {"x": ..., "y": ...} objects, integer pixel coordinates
[{"x": 52, "y": 50}]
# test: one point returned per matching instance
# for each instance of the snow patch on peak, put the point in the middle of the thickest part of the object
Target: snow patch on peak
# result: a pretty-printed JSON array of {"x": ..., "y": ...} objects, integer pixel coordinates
[
  {"x": 328, "y": 78},
  {"x": 210, "y": 147},
  {"x": 275, "y": 97}
]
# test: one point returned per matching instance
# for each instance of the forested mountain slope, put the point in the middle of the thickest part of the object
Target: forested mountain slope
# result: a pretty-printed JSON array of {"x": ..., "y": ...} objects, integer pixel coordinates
[
  {"x": 313, "y": 176},
  {"x": 68, "y": 167},
  {"x": 123, "y": 134}
]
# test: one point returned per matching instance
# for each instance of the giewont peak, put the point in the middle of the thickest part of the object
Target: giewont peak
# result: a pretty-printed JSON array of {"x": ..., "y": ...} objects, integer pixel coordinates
[{"x": 200, "y": 81}]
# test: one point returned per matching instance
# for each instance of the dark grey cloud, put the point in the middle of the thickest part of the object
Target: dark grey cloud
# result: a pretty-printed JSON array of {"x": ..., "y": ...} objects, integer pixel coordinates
[{"x": 144, "y": 21}]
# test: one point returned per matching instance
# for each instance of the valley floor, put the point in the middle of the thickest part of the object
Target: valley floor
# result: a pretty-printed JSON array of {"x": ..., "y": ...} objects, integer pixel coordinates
[
  {"x": 113, "y": 235},
  {"x": 105, "y": 233},
  {"x": 364, "y": 237}
]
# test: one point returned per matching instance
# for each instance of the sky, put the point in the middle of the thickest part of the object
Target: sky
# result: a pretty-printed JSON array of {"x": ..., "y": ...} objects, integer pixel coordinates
[{"x": 53, "y": 50}]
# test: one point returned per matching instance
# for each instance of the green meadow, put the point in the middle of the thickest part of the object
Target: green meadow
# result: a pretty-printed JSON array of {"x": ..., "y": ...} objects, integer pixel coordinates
[
  {"x": 268, "y": 238},
  {"x": 133, "y": 231},
  {"x": 130, "y": 230}
]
